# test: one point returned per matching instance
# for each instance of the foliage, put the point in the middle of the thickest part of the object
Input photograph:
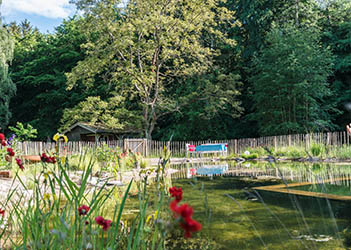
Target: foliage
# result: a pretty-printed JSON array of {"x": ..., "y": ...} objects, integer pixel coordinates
[
  {"x": 292, "y": 151},
  {"x": 7, "y": 87},
  {"x": 343, "y": 152},
  {"x": 347, "y": 237},
  {"x": 188, "y": 69},
  {"x": 249, "y": 156},
  {"x": 317, "y": 149},
  {"x": 259, "y": 151},
  {"x": 38, "y": 68},
  {"x": 110, "y": 114},
  {"x": 22, "y": 133},
  {"x": 76, "y": 215},
  {"x": 149, "y": 44},
  {"x": 290, "y": 83},
  {"x": 211, "y": 98}
]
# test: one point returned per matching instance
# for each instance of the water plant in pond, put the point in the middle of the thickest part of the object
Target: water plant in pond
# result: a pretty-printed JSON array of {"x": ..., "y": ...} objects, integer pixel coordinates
[
  {"x": 317, "y": 149},
  {"x": 249, "y": 155}
]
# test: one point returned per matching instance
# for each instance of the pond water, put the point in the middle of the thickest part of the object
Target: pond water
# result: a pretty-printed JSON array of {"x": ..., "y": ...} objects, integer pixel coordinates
[
  {"x": 235, "y": 216},
  {"x": 326, "y": 188}
]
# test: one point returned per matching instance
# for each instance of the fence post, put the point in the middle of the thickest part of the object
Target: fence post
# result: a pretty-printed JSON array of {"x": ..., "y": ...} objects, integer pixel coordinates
[
  {"x": 125, "y": 144},
  {"x": 146, "y": 148}
]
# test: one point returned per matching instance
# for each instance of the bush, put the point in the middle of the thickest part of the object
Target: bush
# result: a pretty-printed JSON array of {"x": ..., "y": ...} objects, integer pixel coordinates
[
  {"x": 250, "y": 156},
  {"x": 317, "y": 149},
  {"x": 291, "y": 151}
]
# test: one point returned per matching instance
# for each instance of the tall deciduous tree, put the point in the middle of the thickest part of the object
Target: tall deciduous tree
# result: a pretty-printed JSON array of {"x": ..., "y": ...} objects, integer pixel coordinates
[
  {"x": 7, "y": 87},
  {"x": 290, "y": 83},
  {"x": 147, "y": 44}
]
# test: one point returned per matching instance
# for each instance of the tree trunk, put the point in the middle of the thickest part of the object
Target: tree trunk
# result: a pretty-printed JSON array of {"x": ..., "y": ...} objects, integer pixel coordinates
[{"x": 150, "y": 122}]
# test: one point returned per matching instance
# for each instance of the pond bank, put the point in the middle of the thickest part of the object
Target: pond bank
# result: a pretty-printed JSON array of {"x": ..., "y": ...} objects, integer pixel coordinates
[{"x": 177, "y": 161}]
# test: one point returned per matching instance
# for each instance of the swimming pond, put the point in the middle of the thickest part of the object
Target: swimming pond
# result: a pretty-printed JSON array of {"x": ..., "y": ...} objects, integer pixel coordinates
[{"x": 236, "y": 216}]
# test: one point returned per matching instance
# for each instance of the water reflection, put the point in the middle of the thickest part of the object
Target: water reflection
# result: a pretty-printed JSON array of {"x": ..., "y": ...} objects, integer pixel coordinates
[
  {"x": 206, "y": 170},
  {"x": 287, "y": 172}
]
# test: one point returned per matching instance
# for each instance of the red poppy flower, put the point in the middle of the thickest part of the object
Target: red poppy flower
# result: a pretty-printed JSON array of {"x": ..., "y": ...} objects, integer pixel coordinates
[
  {"x": 48, "y": 159},
  {"x": 43, "y": 157},
  {"x": 83, "y": 210},
  {"x": 2, "y": 137},
  {"x": 19, "y": 163},
  {"x": 190, "y": 226},
  {"x": 2, "y": 212},
  {"x": 3, "y": 143},
  {"x": 51, "y": 159},
  {"x": 185, "y": 211},
  {"x": 177, "y": 193},
  {"x": 174, "y": 207},
  {"x": 187, "y": 222},
  {"x": 106, "y": 224},
  {"x": 10, "y": 152}
]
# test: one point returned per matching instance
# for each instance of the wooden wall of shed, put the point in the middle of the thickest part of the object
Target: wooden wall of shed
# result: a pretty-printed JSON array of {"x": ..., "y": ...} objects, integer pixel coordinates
[{"x": 74, "y": 134}]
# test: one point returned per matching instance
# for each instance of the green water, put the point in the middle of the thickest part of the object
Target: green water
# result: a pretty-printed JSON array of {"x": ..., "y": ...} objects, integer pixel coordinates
[
  {"x": 232, "y": 220},
  {"x": 326, "y": 188}
]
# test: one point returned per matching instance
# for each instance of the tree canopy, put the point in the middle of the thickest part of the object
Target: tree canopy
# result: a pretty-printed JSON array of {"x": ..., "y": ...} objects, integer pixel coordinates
[
  {"x": 144, "y": 46},
  {"x": 290, "y": 82},
  {"x": 7, "y": 87},
  {"x": 198, "y": 69}
]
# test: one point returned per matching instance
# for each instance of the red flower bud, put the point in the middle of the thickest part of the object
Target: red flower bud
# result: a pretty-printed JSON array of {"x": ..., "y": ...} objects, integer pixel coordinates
[{"x": 19, "y": 163}]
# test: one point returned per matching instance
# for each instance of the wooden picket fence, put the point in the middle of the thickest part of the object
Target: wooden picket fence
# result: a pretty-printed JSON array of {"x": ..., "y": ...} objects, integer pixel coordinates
[{"x": 153, "y": 148}]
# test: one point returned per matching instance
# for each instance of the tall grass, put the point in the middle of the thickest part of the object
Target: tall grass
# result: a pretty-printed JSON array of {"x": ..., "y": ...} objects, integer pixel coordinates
[{"x": 46, "y": 215}]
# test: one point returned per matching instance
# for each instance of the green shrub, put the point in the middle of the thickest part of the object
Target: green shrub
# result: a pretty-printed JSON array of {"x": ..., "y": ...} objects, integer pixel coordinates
[
  {"x": 317, "y": 149},
  {"x": 259, "y": 151},
  {"x": 292, "y": 151},
  {"x": 341, "y": 152},
  {"x": 296, "y": 153},
  {"x": 250, "y": 156}
]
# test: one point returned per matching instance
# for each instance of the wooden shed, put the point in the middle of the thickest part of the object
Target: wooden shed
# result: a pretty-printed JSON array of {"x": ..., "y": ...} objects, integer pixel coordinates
[{"x": 93, "y": 133}]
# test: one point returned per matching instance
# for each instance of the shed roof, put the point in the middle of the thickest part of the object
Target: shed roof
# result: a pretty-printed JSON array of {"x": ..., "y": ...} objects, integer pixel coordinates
[{"x": 97, "y": 128}]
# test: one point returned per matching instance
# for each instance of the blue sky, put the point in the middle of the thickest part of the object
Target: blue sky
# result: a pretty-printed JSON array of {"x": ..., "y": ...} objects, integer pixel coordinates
[{"x": 43, "y": 14}]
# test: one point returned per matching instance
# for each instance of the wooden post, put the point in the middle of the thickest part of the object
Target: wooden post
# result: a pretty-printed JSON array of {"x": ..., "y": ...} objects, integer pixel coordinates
[
  {"x": 125, "y": 144},
  {"x": 146, "y": 150}
]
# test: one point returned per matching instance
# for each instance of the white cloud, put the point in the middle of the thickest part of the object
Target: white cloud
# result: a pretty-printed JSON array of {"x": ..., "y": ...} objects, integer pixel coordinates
[{"x": 46, "y": 8}]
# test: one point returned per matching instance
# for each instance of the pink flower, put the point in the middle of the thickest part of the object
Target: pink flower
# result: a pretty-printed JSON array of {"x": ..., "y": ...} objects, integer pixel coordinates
[
  {"x": 106, "y": 224},
  {"x": 83, "y": 210},
  {"x": 19, "y": 163}
]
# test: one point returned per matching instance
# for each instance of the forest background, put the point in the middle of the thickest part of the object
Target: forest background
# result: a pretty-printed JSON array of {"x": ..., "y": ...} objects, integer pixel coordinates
[{"x": 190, "y": 70}]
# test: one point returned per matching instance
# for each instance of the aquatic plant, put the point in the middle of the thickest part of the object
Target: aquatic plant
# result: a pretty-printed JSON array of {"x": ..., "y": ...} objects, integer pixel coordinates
[{"x": 317, "y": 149}]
